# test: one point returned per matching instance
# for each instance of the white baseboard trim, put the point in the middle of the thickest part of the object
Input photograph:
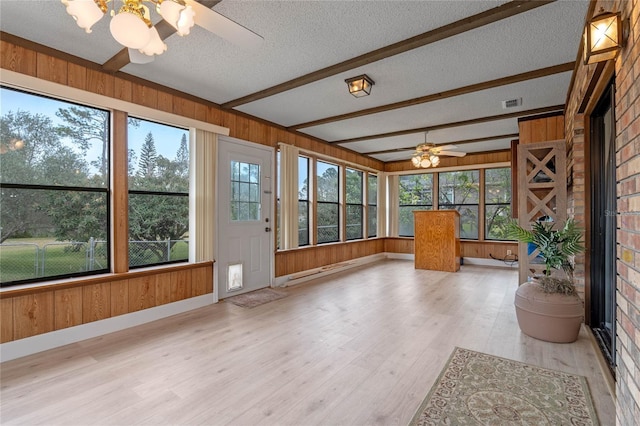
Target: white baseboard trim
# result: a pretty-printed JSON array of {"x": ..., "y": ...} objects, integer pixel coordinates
[
  {"x": 312, "y": 274},
  {"x": 54, "y": 339}
]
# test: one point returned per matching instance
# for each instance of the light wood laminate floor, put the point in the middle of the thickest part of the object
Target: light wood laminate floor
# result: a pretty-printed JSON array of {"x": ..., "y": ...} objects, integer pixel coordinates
[{"x": 360, "y": 347}]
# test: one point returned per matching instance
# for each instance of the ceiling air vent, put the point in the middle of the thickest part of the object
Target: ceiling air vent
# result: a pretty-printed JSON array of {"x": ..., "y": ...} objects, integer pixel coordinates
[{"x": 511, "y": 103}]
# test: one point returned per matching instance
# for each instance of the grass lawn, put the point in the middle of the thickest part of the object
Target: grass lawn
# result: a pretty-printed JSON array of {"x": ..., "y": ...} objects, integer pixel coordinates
[{"x": 44, "y": 257}]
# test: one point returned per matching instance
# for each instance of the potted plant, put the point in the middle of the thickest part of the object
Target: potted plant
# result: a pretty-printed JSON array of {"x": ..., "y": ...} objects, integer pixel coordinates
[{"x": 548, "y": 307}]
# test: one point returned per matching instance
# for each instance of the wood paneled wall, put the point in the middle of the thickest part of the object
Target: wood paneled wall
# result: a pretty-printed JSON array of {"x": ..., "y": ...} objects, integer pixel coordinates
[
  {"x": 305, "y": 258},
  {"x": 468, "y": 160},
  {"x": 26, "y": 312},
  {"x": 541, "y": 128},
  {"x": 478, "y": 249},
  {"x": 39, "y": 61}
]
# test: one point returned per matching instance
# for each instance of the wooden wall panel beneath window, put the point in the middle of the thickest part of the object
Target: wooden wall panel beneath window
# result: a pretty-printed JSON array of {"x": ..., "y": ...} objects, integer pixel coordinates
[
  {"x": 306, "y": 258},
  {"x": 479, "y": 249},
  {"x": 6, "y": 320},
  {"x": 30, "y": 311}
]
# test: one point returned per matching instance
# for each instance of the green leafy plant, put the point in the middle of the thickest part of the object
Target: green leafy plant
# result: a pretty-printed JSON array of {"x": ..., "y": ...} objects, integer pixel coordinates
[{"x": 556, "y": 246}]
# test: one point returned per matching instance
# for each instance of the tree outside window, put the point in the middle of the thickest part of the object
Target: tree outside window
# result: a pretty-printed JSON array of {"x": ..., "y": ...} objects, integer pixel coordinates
[
  {"x": 158, "y": 193},
  {"x": 372, "y": 205},
  {"x": 54, "y": 187},
  {"x": 497, "y": 198},
  {"x": 303, "y": 201},
  {"x": 354, "y": 204},
  {"x": 460, "y": 191},
  {"x": 415, "y": 192},
  {"x": 328, "y": 202}
]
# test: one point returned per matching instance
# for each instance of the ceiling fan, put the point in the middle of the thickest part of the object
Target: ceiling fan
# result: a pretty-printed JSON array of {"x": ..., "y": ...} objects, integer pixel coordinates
[
  {"x": 131, "y": 25},
  {"x": 428, "y": 154}
]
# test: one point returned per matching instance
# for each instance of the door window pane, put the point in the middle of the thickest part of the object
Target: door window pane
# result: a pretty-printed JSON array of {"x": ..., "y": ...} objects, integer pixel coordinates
[{"x": 245, "y": 192}]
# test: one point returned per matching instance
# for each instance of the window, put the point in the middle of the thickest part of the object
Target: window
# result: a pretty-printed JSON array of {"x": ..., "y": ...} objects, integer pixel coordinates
[
  {"x": 354, "y": 204},
  {"x": 303, "y": 201},
  {"x": 159, "y": 193},
  {"x": 328, "y": 202},
  {"x": 372, "y": 205},
  {"x": 460, "y": 191},
  {"x": 245, "y": 192},
  {"x": 415, "y": 192},
  {"x": 54, "y": 188},
  {"x": 497, "y": 199}
]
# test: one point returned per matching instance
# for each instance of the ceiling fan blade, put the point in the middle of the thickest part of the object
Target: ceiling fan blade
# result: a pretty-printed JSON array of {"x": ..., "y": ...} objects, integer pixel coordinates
[
  {"x": 445, "y": 147},
  {"x": 453, "y": 153},
  {"x": 225, "y": 27},
  {"x": 139, "y": 58}
]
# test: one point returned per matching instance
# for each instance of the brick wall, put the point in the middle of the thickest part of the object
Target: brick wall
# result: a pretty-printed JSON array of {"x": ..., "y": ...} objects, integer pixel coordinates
[{"x": 627, "y": 113}]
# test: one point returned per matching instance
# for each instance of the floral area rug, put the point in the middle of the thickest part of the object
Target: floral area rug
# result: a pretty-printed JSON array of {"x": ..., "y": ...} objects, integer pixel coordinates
[
  {"x": 256, "y": 298},
  {"x": 480, "y": 389}
]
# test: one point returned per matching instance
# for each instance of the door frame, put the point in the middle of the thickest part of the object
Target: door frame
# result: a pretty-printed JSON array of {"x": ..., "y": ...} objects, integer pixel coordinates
[
  {"x": 596, "y": 265},
  {"x": 272, "y": 205}
]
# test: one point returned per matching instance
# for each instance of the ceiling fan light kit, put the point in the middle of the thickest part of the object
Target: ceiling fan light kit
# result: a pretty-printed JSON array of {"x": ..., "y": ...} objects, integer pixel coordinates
[
  {"x": 428, "y": 155},
  {"x": 132, "y": 26}
]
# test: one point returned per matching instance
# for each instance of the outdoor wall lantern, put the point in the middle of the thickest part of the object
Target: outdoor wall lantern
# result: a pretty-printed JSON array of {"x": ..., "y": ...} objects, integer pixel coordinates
[{"x": 603, "y": 37}]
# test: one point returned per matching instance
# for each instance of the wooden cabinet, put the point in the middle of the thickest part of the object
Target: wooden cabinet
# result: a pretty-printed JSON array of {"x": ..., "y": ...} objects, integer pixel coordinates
[{"x": 437, "y": 240}]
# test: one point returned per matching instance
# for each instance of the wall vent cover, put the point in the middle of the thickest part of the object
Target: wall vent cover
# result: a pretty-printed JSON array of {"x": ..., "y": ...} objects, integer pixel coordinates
[{"x": 511, "y": 103}]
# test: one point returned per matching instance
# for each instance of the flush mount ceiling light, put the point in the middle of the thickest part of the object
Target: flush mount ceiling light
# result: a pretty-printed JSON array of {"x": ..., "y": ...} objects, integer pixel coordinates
[
  {"x": 359, "y": 86},
  {"x": 131, "y": 26},
  {"x": 603, "y": 37}
]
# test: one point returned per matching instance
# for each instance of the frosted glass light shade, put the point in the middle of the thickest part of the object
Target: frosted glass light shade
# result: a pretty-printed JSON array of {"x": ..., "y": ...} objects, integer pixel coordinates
[
  {"x": 178, "y": 15},
  {"x": 425, "y": 162},
  {"x": 129, "y": 30},
  {"x": 155, "y": 46},
  {"x": 85, "y": 12}
]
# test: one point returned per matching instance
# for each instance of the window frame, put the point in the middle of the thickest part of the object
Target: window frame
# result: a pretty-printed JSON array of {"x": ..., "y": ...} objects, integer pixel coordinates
[
  {"x": 359, "y": 206},
  {"x": 458, "y": 206},
  {"x": 104, "y": 190},
  {"x": 415, "y": 206},
  {"x": 157, "y": 194},
  {"x": 372, "y": 206},
  {"x": 488, "y": 204},
  {"x": 337, "y": 203}
]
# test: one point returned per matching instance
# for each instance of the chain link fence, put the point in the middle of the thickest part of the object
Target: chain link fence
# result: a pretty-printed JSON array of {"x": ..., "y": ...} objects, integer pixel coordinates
[{"x": 23, "y": 261}]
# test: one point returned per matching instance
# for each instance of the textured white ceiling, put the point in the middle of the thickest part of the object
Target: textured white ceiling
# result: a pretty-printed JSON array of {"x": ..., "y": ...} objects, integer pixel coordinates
[{"x": 304, "y": 36}]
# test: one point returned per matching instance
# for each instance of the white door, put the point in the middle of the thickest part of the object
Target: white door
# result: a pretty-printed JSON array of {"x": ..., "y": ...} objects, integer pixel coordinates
[{"x": 244, "y": 217}]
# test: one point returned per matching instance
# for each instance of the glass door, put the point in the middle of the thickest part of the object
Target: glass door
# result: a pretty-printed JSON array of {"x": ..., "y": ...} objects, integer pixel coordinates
[{"x": 603, "y": 225}]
